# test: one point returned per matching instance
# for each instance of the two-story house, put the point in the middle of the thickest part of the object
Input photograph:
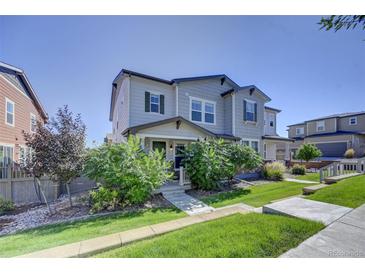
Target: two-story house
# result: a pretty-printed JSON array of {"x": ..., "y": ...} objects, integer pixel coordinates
[
  {"x": 333, "y": 134},
  {"x": 20, "y": 108},
  {"x": 168, "y": 114}
]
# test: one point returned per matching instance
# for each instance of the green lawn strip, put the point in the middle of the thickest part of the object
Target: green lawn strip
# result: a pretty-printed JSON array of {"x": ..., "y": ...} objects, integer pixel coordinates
[
  {"x": 349, "y": 192},
  {"x": 309, "y": 177},
  {"x": 59, "y": 234},
  {"x": 237, "y": 236},
  {"x": 256, "y": 195}
]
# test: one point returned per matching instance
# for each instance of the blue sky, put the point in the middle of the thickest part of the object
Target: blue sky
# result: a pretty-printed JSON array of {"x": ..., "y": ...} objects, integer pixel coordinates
[{"x": 73, "y": 60}]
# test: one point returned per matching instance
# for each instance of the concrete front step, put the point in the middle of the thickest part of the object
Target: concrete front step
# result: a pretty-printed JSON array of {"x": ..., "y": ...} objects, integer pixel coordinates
[
  {"x": 335, "y": 179},
  {"x": 312, "y": 189}
]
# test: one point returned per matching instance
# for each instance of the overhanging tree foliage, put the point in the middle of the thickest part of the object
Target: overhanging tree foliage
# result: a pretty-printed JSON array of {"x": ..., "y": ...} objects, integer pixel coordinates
[
  {"x": 338, "y": 22},
  {"x": 58, "y": 148}
]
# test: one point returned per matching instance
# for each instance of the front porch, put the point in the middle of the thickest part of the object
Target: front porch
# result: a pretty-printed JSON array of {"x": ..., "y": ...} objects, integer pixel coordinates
[{"x": 276, "y": 148}]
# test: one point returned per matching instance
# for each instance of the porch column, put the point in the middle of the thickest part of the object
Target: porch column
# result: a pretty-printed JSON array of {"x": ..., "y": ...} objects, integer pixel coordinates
[
  {"x": 287, "y": 151},
  {"x": 142, "y": 142}
]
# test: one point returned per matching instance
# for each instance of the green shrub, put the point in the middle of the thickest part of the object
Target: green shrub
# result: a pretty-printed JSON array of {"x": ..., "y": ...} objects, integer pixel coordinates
[
  {"x": 209, "y": 162},
  {"x": 6, "y": 206},
  {"x": 350, "y": 153},
  {"x": 274, "y": 171},
  {"x": 128, "y": 170},
  {"x": 104, "y": 198},
  {"x": 298, "y": 169},
  {"x": 308, "y": 152}
]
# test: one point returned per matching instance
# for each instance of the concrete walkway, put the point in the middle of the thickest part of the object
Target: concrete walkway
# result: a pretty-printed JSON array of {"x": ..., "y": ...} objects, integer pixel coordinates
[
  {"x": 96, "y": 245},
  {"x": 300, "y": 181},
  {"x": 188, "y": 204},
  {"x": 344, "y": 238},
  {"x": 307, "y": 209}
]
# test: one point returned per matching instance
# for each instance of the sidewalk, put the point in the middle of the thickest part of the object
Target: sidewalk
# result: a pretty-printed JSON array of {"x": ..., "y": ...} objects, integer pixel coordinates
[
  {"x": 344, "y": 238},
  {"x": 96, "y": 245}
]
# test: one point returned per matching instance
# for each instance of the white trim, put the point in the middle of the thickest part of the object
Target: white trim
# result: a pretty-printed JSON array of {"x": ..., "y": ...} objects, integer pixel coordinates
[
  {"x": 233, "y": 114},
  {"x": 22, "y": 92},
  {"x": 158, "y": 104},
  {"x": 353, "y": 117},
  {"x": 250, "y": 143},
  {"x": 324, "y": 125},
  {"x": 6, "y": 112},
  {"x": 169, "y": 136},
  {"x": 203, "y": 101},
  {"x": 177, "y": 100},
  {"x": 129, "y": 100},
  {"x": 12, "y": 146},
  {"x": 245, "y": 114},
  {"x": 33, "y": 115}
]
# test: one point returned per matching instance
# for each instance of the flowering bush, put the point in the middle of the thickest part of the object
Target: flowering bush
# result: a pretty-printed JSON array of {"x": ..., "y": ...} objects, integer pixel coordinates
[{"x": 274, "y": 171}]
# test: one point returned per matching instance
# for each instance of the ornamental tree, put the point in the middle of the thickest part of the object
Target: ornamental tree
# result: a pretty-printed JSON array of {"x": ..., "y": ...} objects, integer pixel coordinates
[
  {"x": 57, "y": 148},
  {"x": 308, "y": 152}
]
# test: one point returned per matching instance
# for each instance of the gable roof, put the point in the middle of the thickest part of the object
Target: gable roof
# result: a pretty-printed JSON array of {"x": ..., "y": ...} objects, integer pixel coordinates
[
  {"x": 25, "y": 82},
  {"x": 135, "y": 129},
  {"x": 222, "y": 77},
  {"x": 339, "y": 115}
]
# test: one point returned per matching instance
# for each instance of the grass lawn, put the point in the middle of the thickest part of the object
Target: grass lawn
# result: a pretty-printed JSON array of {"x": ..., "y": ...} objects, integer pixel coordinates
[
  {"x": 237, "y": 236},
  {"x": 309, "y": 177},
  {"x": 349, "y": 192},
  {"x": 256, "y": 195},
  {"x": 54, "y": 235}
]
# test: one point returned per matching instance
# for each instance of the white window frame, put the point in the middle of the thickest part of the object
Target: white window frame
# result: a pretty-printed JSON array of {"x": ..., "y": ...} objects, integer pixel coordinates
[
  {"x": 32, "y": 115},
  {"x": 320, "y": 124},
  {"x": 6, "y": 112},
  {"x": 203, "y": 102},
  {"x": 250, "y": 143},
  {"x": 159, "y": 102},
  {"x": 299, "y": 131},
  {"x": 250, "y": 102},
  {"x": 354, "y": 124}
]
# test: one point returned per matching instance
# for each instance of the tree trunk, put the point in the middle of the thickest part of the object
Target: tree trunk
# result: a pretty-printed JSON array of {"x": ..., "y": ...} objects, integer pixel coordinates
[
  {"x": 38, "y": 182},
  {"x": 69, "y": 193}
]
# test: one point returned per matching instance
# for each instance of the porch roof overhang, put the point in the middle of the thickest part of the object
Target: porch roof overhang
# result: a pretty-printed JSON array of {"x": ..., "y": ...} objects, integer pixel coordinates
[
  {"x": 178, "y": 120},
  {"x": 278, "y": 138}
]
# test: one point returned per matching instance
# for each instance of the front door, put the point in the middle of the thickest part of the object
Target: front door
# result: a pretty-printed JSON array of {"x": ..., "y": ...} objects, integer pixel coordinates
[
  {"x": 159, "y": 145},
  {"x": 179, "y": 154}
]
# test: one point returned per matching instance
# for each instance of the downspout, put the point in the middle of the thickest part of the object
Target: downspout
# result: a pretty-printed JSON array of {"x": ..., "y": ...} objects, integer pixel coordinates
[{"x": 177, "y": 100}]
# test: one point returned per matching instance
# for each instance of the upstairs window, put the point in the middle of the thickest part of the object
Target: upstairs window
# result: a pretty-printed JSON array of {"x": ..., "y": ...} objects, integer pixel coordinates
[
  {"x": 271, "y": 123},
  {"x": 353, "y": 121},
  {"x": 249, "y": 111},
  {"x": 154, "y": 103},
  {"x": 9, "y": 117},
  {"x": 202, "y": 111},
  {"x": 33, "y": 122},
  {"x": 320, "y": 126},
  {"x": 299, "y": 131}
]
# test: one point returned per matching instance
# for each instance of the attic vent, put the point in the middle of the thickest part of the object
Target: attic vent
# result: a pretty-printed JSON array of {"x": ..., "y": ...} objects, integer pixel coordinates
[
  {"x": 252, "y": 90},
  {"x": 223, "y": 80}
]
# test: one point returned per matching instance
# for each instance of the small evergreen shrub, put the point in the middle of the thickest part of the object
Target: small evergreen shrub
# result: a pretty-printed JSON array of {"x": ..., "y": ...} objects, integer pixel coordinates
[
  {"x": 274, "y": 171},
  {"x": 104, "y": 198},
  {"x": 350, "y": 153},
  {"x": 298, "y": 169},
  {"x": 6, "y": 206}
]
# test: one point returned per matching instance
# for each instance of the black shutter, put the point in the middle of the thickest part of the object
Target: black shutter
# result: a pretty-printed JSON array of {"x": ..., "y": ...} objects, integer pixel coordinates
[
  {"x": 255, "y": 112},
  {"x": 147, "y": 98},
  {"x": 162, "y": 104},
  {"x": 244, "y": 110}
]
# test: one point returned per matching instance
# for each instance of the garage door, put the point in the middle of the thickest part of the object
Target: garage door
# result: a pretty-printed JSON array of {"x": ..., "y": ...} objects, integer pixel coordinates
[{"x": 333, "y": 149}]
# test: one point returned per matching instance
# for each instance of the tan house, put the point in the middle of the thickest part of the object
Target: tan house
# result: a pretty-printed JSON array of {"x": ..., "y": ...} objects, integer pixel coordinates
[
  {"x": 20, "y": 108},
  {"x": 333, "y": 134}
]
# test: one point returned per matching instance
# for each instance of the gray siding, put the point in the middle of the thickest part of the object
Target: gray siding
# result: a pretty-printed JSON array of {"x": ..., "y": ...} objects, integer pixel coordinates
[
  {"x": 343, "y": 123},
  {"x": 247, "y": 129},
  {"x": 268, "y": 130},
  {"x": 330, "y": 126},
  {"x": 208, "y": 90},
  {"x": 137, "y": 101},
  {"x": 292, "y": 131},
  {"x": 228, "y": 114},
  {"x": 121, "y": 109}
]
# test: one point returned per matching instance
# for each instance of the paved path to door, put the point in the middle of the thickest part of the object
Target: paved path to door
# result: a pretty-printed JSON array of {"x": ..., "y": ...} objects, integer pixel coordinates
[
  {"x": 97, "y": 245},
  {"x": 188, "y": 204},
  {"x": 345, "y": 237},
  {"x": 300, "y": 181}
]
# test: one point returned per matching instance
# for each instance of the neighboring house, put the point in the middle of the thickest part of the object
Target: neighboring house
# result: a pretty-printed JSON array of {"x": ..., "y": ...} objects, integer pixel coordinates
[
  {"x": 20, "y": 108},
  {"x": 333, "y": 134},
  {"x": 108, "y": 139},
  {"x": 168, "y": 114}
]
